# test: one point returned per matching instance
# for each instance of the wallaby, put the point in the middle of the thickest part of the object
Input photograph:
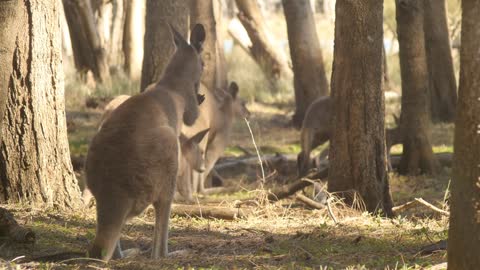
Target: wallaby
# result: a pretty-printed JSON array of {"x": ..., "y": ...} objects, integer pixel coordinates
[
  {"x": 218, "y": 114},
  {"x": 192, "y": 159},
  {"x": 133, "y": 159},
  {"x": 316, "y": 131}
]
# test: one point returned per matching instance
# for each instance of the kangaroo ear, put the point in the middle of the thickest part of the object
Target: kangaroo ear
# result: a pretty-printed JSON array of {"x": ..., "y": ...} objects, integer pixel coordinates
[
  {"x": 199, "y": 136},
  {"x": 177, "y": 37},
  {"x": 197, "y": 37},
  {"x": 233, "y": 89}
]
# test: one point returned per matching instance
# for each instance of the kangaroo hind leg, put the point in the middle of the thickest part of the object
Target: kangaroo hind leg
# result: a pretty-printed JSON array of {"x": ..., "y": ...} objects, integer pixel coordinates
[{"x": 111, "y": 216}]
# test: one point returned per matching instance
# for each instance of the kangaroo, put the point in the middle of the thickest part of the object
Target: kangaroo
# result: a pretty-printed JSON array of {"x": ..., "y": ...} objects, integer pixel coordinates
[
  {"x": 217, "y": 113},
  {"x": 316, "y": 130},
  {"x": 192, "y": 159},
  {"x": 133, "y": 159}
]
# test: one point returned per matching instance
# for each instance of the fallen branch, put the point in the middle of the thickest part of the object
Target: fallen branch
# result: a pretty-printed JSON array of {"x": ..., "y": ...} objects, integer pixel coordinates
[
  {"x": 309, "y": 202},
  {"x": 203, "y": 211},
  {"x": 9, "y": 228},
  {"x": 291, "y": 189},
  {"x": 432, "y": 207},
  {"x": 411, "y": 204}
]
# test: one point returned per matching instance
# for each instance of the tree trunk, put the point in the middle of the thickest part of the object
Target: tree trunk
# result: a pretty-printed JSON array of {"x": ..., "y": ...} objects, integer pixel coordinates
[
  {"x": 158, "y": 43},
  {"x": 202, "y": 12},
  {"x": 133, "y": 37},
  {"x": 89, "y": 53},
  {"x": 35, "y": 166},
  {"x": 222, "y": 68},
  {"x": 115, "y": 52},
  {"x": 309, "y": 78},
  {"x": 357, "y": 145},
  {"x": 443, "y": 88},
  {"x": 8, "y": 32},
  {"x": 464, "y": 231},
  {"x": 417, "y": 154},
  {"x": 269, "y": 58}
]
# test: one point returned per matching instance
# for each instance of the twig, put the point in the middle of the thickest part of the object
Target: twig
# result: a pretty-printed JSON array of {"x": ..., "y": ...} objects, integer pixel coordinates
[
  {"x": 262, "y": 182},
  {"x": 330, "y": 212}
]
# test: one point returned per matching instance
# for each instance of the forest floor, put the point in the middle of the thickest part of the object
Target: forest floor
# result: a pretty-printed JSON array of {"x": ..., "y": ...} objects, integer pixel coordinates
[{"x": 281, "y": 235}]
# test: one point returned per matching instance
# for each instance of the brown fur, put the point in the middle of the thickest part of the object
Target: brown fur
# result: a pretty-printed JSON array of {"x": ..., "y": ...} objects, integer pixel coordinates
[
  {"x": 133, "y": 160},
  {"x": 316, "y": 131},
  {"x": 218, "y": 114},
  {"x": 192, "y": 159}
]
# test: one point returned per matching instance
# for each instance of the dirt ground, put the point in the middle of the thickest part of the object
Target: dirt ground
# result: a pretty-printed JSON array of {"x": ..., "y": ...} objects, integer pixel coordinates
[{"x": 282, "y": 235}]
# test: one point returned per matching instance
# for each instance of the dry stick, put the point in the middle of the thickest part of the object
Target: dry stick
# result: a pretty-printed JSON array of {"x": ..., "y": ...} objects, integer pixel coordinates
[
  {"x": 226, "y": 213},
  {"x": 433, "y": 207},
  {"x": 291, "y": 189},
  {"x": 330, "y": 212},
  {"x": 411, "y": 204},
  {"x": 258, "y": 154},
  {"x": 308, "y": 201}
]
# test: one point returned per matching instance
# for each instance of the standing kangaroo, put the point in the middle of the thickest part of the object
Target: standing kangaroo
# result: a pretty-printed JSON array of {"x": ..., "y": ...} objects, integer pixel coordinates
[
  {"x": 316, "y": 131},
  {"x": 133, "y": 160},
  {"x": 192, "y": 159},
  {"x": 218, "y": 114}
]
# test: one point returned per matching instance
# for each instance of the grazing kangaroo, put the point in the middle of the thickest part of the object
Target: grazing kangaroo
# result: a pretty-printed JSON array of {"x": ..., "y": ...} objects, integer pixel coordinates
[
  {"x": 316, "y": 131},
  {"x": 133, "y": 159},
  {"x": 218, "y": 114}
]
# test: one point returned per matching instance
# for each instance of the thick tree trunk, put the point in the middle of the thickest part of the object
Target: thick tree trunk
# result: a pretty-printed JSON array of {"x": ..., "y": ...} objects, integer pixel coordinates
[
  {"x": 414, "y": 120},
  {"x": 8, "y": 33},
  {"x": 202, "y": 12},
  {"x": 270, "y": 59},
  {"x": 443, "y": 88},
  {"x": 133, "y": 37},
  {"x": 464, "y": 231},
  {"x": 35, "y": 164},
  {"x": 309, "y": 78},
  {"x": 158, "y": 43},
  {"x": 357, "y": 145},
  {"x": 88, "y": 51}
]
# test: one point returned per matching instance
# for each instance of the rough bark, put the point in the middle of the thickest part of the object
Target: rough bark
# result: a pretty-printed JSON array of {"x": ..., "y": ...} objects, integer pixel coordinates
[
  {"x": 357, "y": 145},
  {"x": 8, "y": 32},
  {"x": 270, "y": 60},
  {"x": 158, "y": 44},
  {"x": 133, "y": 31},
  {"x": 464, "y": 231},
  {"x": 202, "y": 12},
  {"x": 310, "y": 80},
  {"x": 35, "y": 166},
  {"x": 414, "y": 120},
  {"x": 443, "y": 88},
  {"x": 89, "y": 53}
]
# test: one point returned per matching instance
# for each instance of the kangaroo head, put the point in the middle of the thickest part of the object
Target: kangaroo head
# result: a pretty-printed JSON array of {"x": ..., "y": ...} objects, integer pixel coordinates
[
  {"x": 186, "y": 67},
  {"x": 193, "y": 153},
  {"x": 238, "y": 104}
]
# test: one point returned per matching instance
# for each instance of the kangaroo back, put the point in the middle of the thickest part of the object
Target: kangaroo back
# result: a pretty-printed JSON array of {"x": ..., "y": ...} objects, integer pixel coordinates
[
  {"x": 315, "y": 131},
  {"x": 133, "y": 159}
]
